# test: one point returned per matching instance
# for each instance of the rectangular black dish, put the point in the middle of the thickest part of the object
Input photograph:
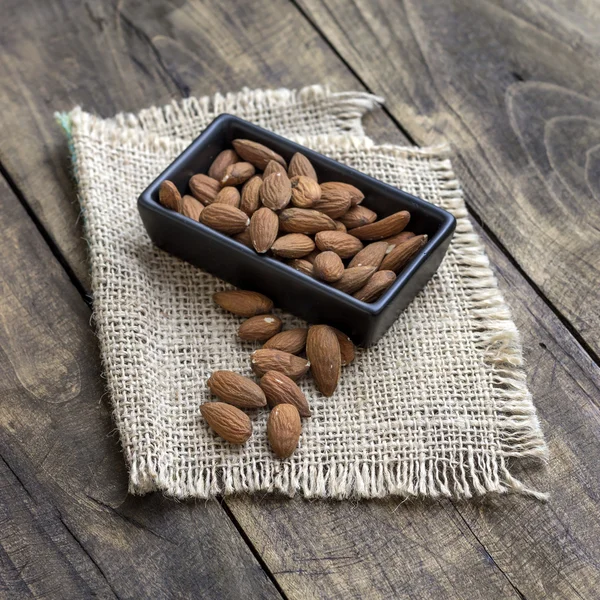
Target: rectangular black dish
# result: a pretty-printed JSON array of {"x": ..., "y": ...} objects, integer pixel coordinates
[{"x": 290, "y": 290}]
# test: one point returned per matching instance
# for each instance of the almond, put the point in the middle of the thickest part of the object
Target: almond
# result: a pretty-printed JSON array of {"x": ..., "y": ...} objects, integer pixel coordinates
[
  {"x": 305, "y": 191},
  {"x": 300, "y": 165},
  {"x": 292, "y": 341},
  {"x": 227, "y": 421},
  {"x": 328, "y": 266},
  {"x": 228, "y": 195},
  {"x": 244, "y": 238},
  {"x": 283, "y": 430},
  {"x": 356, "y": 196},
  {"x": 293, "y": 245},
  {"x": 250, "y": 198},
  {"x": 312, "y": 256},
  {"x": 303, "y": 220},
  {"x": 259, "y": 328},
  {"x": 384, "y": 228},
  {"x": 377, "y": 284},
  {"x": 353, "y": 279},
  {"x": 224, "y": 218},
  {"x": 302, "y": 265},
  {"x": 191, "y": 207},
  {"x": 358, "y": 216},
  {"x": 237, "y": 173},
  {"x": 264, "y": 226},
  {"x": 256, "y": 153},
  {"x": 169, "y": 196},
  {"x": 220, "y": 164},
  {"x": 323, "y": 352},
  {"x": 235, "y": 389},
  {"x": 274, "y": 167},
  {"x": 393, "y": 241},
  {"x": 335, "y": 199},
  {"x": 243, "y": 303},
  {"x": 343, "y": 244},
  {"x": 402, "y": 253},
  {"x": 276, "y": 191},
  {"x": 265, "y": 359},
  {"x": 204, "y": 188},
  {"x": 370, "y": 256},
  {"x": 339, "y": 226},
  {"x": 280, "y": 389},
  {"x": 346, "y": 347}
]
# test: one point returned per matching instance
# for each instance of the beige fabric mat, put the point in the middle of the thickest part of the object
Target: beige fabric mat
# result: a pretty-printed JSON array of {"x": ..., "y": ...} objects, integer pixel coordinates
[{"x": 439, "y": 407}]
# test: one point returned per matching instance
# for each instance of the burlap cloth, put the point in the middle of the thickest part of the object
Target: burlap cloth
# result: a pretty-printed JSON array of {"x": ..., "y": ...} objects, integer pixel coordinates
[{"x": 439, "y": 407}]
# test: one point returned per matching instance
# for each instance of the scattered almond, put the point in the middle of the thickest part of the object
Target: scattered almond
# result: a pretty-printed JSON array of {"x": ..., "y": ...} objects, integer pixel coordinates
[
  {"x": 243, "y": 303},
  {"x": 346, "y": 347},
  {"x": 265, "y": 359},
  {"x": 370, "y": 256},
  {"x": 384, "y": 228},
  {"x": 191, "y": 207},
  {"x": 377, "y": 284},
  {"x": 323, "y": 352},
  {"x": 235, "y": 389},
  {"x": 343, "y": 244},
  {"x": 204, "y": 188},
  {"x": 304, "y": 220},
  {"x": 328, "y": 266},
  {"x": 354, "y": 278},
  {"x": 292, "y": 341},
  {"x": 256, "y": 153},
  {"x": 305, "y": 191},
  {"x": 280, "y": 389},
  {"x": 220, "y": 164},
  {"x": 228, "y": 195},
  {"x": 227, "y": 421},
  {"x": 169, "y": 196},
  {"x": 293, "y": 245},
  {"x": 259, "y": 328},
  {"x": 264, "y": 226},
  {"x": 224, "y": 218},
  {"x": 300, "y": 165},
  {"x": 402, "y": 253},
  {"x": 283, "y": 430},
  {"x": 358, "y": 216}
]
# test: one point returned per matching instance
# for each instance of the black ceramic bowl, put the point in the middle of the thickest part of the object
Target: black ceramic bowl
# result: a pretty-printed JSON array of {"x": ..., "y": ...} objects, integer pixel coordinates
[{"x": 312, "y": 300}]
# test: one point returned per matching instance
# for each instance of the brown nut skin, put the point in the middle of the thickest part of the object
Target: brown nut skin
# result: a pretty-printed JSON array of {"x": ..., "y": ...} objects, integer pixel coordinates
[
  {"x": 293, "y": 245},
  {"x": 220, "y": 164},
  {"x": 370, "y": 256},
  {"x": 237, "y": 173},
  {"x": 343, "y": 244},
  {"x": 227, "y": 421},
  {"x": 204, "y": 188},
  {"x": 259, "y": 328},
  {"x": 383, "y": 228},
  {"x": 305, "y": 191},
  {"x": 265, "y": 359},
  {"x": 377, "y": 284},
  {"x": 346, "y": 347},
  {"x": 243, "y": 303},
  {"x": 323, "y": 352},
  {"x": 235, "y": 389},
  {"x": 400, "y": 255},
  {"x": 300, "y": 165},
  {"x": 264, "y": 227},
  {"x": 224, "y": 218},
  {"x": 328, "y": 266},
  {"x": 256, "y": 153},
  {"x": 280, "y": 389},
  {"x": 283, "y": 430},
  {"x": 292, "y": 340},
  {"x": 169, "y": 196},
  {"x": 250, "y": 196}
]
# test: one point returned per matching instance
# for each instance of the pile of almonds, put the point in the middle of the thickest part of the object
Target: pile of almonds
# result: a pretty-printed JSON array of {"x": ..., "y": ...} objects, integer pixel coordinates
[
  {"x": 320, "y": 230},
  {"x": 278, "y": 364}
]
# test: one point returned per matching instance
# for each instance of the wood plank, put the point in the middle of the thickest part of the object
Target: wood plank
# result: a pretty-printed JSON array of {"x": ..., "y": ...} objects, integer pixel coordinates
[
  {"x": 68, "y": 527},
  {"x": 513, "y": 85},
  {"x": 113, "y": 57}
]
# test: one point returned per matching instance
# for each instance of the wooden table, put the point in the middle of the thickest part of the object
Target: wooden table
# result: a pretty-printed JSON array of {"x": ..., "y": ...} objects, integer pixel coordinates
[{"x": 513, "y": 85}]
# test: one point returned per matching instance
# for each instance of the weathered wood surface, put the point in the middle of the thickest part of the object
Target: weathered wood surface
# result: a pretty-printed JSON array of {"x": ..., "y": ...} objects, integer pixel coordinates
[
  {"x": 146, "y": 53},
  {"x": 514, "y": 86},
  {"x": 67, "y": 527}
]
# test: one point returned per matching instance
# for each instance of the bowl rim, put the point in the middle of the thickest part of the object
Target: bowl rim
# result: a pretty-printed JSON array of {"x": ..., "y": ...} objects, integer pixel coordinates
[{"x": 447, "y": 226}]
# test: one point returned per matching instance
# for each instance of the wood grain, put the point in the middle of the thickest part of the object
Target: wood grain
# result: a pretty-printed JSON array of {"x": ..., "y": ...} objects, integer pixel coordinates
[
  {"x": 513, "y": 86},
  {"x": 124, "y": 56},
  {"x": 69, "y": 530}
]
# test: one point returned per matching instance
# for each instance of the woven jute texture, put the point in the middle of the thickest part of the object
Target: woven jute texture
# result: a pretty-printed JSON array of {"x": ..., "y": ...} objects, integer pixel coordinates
[{"x": 439, "y": 407}]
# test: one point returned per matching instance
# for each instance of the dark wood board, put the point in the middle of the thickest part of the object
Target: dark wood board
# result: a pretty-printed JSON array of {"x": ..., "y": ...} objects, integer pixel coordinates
[
  {"x": 69, "y": 529},
  {"x": 514, "y": 87}
]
